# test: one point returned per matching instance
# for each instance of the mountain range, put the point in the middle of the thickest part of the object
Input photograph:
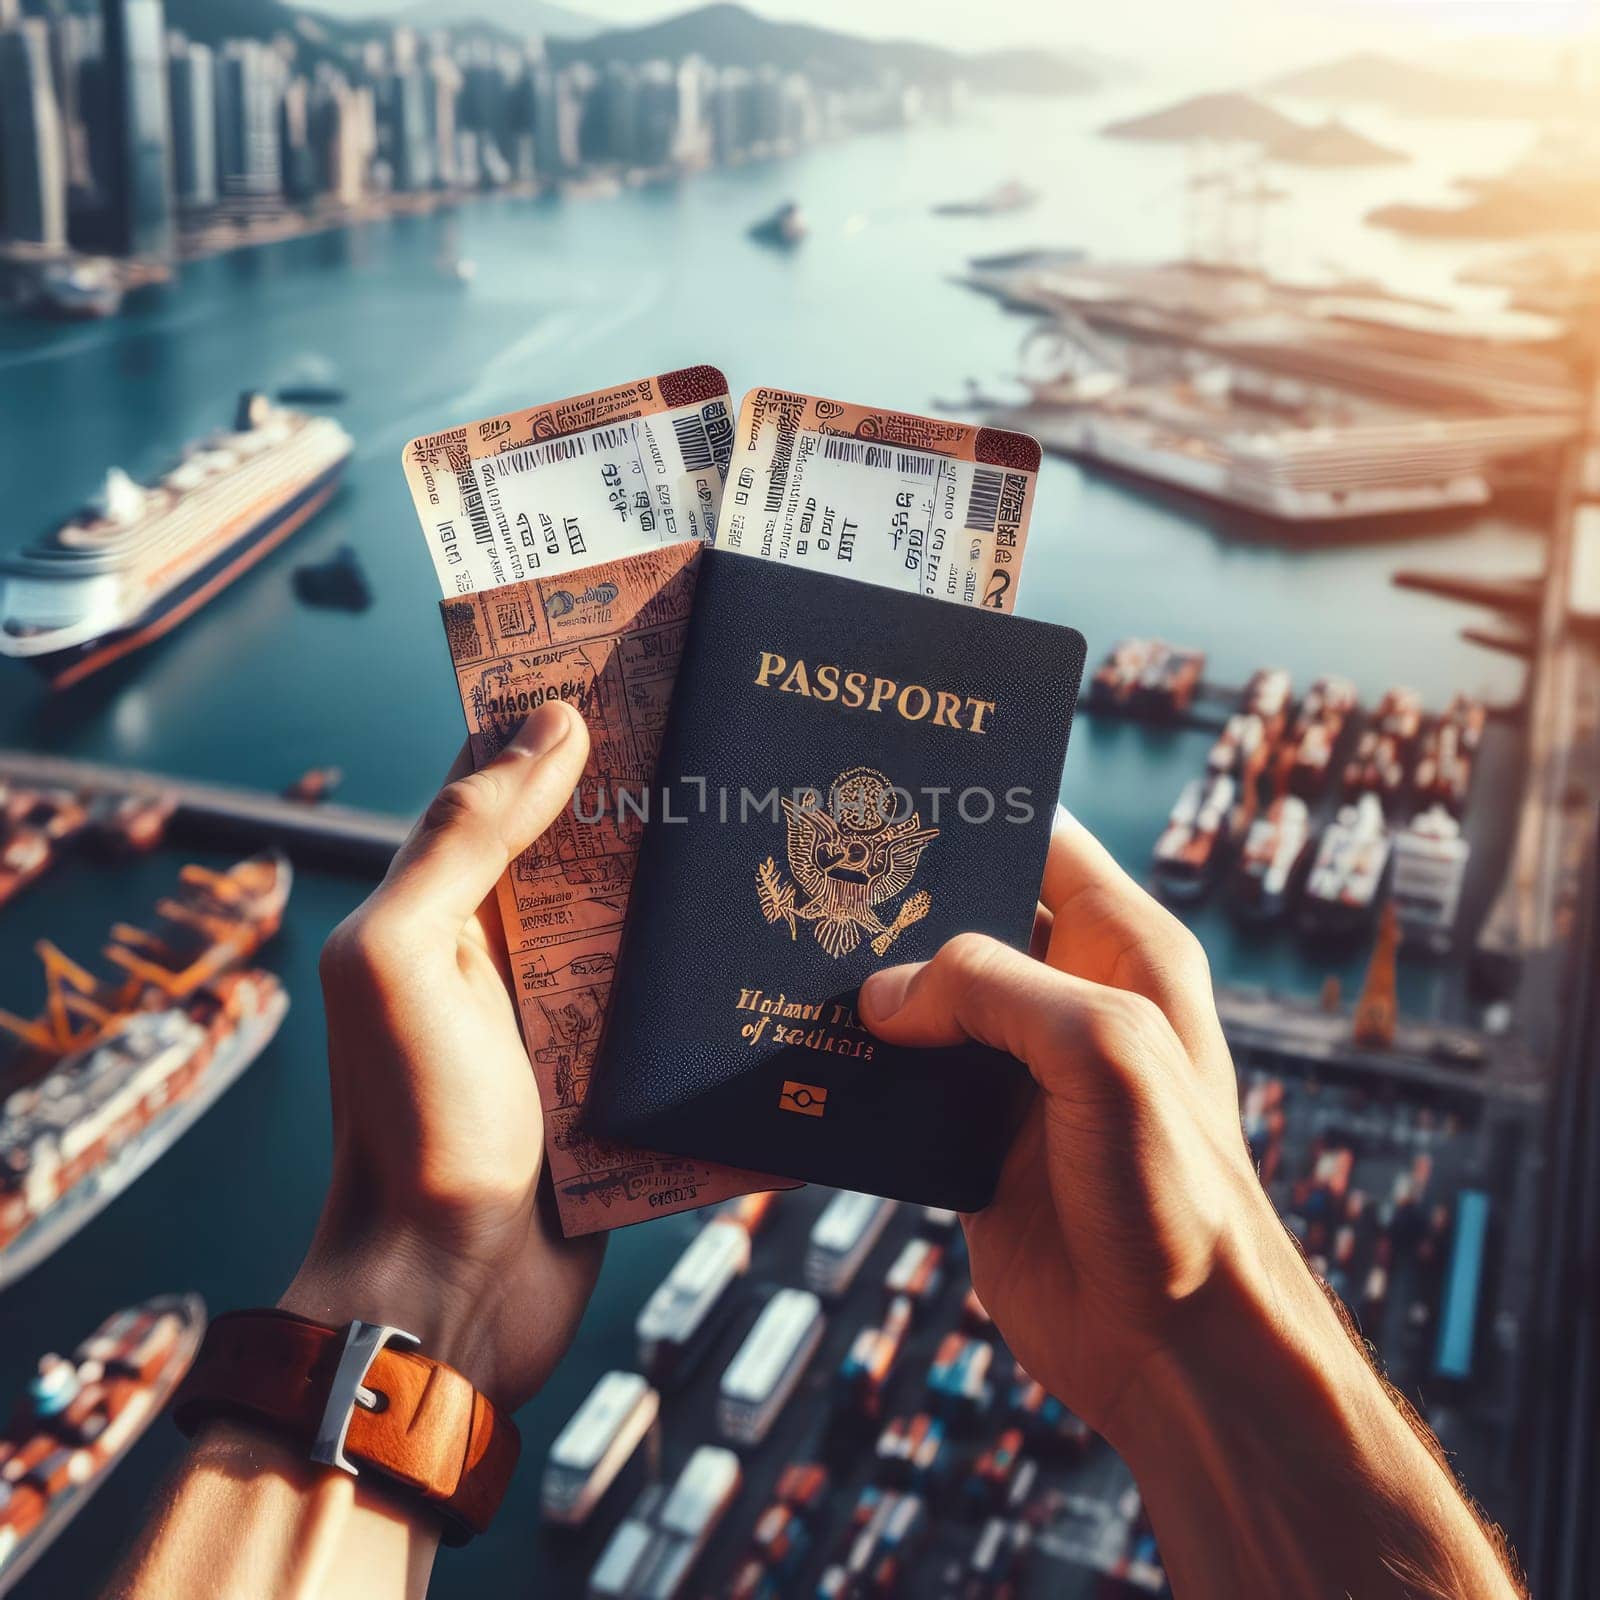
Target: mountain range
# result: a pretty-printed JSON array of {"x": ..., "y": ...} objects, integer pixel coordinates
[{"x": 725, "y": 35}]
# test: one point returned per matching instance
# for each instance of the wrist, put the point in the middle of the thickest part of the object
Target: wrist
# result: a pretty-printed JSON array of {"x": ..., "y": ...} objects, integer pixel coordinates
[
  {"x": 1259, "y": 1358},
  {"x": 402, "y": 1281}
]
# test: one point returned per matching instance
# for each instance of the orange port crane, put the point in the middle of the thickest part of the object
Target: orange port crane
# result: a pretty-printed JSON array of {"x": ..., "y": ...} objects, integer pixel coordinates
[
  {"x": 1378, "y": 1010},
  {"x": 216, "y": 921}
]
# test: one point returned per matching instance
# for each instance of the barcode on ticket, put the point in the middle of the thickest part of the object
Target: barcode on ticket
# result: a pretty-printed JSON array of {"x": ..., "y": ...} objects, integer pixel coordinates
[
  {"x": 694, "y": 443},
  {"x": 540, "y": 455},
  {"x": 983, "y": 503},
  {"x": 908, "y": 463}
]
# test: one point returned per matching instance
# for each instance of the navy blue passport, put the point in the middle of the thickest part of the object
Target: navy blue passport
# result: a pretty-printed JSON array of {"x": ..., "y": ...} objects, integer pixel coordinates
[{"x": 849, "y": 777}]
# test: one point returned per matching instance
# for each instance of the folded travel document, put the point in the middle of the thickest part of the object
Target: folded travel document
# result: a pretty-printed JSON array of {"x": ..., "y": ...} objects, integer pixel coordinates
[{"x": 848, "y": 776}]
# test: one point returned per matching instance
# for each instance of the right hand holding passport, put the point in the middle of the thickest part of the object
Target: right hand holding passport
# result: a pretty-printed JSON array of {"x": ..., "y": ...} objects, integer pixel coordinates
[{"x": 1129, "y": 1192}]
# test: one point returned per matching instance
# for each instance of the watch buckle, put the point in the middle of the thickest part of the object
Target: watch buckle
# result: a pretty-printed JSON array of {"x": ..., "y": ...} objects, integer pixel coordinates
[{"x": 362, "y": 1342}]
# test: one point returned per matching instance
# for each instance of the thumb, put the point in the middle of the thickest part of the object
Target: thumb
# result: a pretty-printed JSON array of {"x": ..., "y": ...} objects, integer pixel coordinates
[
  {"x": 978, "y": 988},
  {"x": 477, "y": 825}
]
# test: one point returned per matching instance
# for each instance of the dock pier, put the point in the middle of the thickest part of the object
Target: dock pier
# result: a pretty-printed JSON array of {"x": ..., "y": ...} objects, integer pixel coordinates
[{"x": 332, "y": 835}]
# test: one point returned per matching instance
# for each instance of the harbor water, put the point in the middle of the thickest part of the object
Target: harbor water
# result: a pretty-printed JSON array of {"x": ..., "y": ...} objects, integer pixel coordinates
[{"x": 568, "y": 297}]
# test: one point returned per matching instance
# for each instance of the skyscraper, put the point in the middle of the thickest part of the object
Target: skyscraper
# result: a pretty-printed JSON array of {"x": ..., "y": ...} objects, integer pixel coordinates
[
  {"x": 139, "y": 153},
  {"x": 33, "y": 158},
  {"x": 191, "y": 87},
  {"x": 249, "y": 86}
]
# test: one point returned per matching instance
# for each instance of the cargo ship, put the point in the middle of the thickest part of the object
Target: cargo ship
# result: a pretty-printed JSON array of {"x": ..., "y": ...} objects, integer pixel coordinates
[
  {"x": 80, "y": 1415},
  {"x": 113, "y": 1070},
  {"x": 130, "y": 569},
  {"x": 1189, "y": 851},
  {"x": 1271, "y": 860},
  {"x": 1349, "y": 872},
  {"x": 216, "y": 921},
  {"x": 71, "y": 1143},
  {"x": 1147, "y": 677}
]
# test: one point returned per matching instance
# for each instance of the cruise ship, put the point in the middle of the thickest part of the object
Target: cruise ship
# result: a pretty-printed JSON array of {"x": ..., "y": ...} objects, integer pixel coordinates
[
  {"x": 80, "y": 1415},
  {"x": 130, "y": 569}
]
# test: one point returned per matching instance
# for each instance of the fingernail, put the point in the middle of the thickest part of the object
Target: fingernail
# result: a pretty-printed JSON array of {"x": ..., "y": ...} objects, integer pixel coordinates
[
  {"x": 1064, "y": 818},
  {"x": 543, "y": 730},
  {"x": 884, "y": 993}
]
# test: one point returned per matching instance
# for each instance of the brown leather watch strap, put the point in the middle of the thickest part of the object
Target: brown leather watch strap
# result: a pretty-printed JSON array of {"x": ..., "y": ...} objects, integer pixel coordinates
[{"x": 430, "y": 1430}]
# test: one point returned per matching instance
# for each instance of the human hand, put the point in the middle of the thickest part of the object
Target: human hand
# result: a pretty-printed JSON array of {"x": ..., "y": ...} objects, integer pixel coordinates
[
  {"x": 1129, "y": 1195},
  {"x": 435, "y": 1221}
]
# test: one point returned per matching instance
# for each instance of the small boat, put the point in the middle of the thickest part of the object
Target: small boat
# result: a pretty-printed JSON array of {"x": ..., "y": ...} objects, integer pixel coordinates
[
  {"x": 80, "y": 1415},
  {"x": 339, "y": 583},
  {"x": 1003, "y": 198},
  {"x": 1271, "y": 859},
  {"x": 311, "y": 394},
  {"x": 77, "y": 291},
  {"x": 131, "y": 823},
  {"x": 34, "y": 825},
  {"x": 314, "y": 785},
  {"x": 785, "y": 227}
]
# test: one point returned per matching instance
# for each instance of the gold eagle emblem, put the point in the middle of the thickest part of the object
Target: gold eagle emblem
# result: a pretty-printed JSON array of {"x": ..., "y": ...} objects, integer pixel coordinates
[{"x": 848, "y": 858}]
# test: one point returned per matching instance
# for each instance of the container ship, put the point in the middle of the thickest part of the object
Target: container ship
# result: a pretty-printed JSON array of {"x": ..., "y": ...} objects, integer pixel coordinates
[
  {"x": 130, "y": 569},
  {"x": 80, "y": 1415},
  {"x": 113, "y": 1071},
  {"x": 75, "y": 1140}
]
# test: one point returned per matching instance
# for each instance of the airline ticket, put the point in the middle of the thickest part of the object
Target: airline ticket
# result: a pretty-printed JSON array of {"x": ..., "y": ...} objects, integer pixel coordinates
[
  {"x": 539, "y": 492},
  {"x": 931, "y": 507},
  {"x": 607, "y": 640}
]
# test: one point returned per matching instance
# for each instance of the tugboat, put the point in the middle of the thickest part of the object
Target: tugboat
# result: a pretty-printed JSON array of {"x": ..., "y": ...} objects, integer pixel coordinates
[
  {"x": 1346, "y": 878},
  {"x": 1189, "y": 851},
  {"x": 80, "y": 1415},
  {"x": 1272, "y": 859},
  {"x": 130, "y": 569}
]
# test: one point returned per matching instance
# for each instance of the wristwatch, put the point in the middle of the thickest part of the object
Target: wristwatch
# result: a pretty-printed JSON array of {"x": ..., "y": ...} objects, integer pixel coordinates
[{"x": 354, "y": 1398}]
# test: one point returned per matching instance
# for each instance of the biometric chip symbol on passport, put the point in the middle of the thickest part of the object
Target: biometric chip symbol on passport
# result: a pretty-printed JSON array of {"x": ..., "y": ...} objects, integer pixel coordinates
[{"x": 847, "y": 859}]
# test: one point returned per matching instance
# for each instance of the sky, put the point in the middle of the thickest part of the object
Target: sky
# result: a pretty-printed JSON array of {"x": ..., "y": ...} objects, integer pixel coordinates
[{"x": 1226, "y": 31}]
